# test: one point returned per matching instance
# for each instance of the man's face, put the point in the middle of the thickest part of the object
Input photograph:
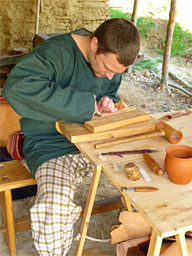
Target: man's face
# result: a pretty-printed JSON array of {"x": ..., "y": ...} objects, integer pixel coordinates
[{"x": 104, "y": 64}]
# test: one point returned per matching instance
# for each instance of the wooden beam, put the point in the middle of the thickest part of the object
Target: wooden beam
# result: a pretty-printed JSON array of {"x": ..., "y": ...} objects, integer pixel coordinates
[{"x": 106, "y": 205}]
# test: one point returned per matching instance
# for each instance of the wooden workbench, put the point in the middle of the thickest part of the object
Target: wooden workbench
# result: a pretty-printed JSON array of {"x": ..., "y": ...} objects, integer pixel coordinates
[{"x": 168, "y": 211}]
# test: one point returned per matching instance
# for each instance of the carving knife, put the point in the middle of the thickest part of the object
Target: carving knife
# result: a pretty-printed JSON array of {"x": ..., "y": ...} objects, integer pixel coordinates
[
  {"x": 136, "y": 151},
  {"x": 139, "y": 189}
]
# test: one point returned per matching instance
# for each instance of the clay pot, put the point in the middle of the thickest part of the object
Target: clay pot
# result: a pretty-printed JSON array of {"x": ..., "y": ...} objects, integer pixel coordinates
[{"x": 178, "y": 164}]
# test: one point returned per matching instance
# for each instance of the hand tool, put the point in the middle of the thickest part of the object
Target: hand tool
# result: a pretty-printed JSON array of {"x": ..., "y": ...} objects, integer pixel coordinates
[
  {"x": 177, "y": 114},
  {"x": 98, "y": 114},
  {"x": 120, "y": 153},
  {"x": 139, "y": 189},
  {"x": 172, "y": 135},
  {"x": 155, "y": 167}
]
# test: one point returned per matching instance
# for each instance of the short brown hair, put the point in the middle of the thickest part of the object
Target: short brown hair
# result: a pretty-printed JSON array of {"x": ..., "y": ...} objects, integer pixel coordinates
[{"x": 118, "y": 36}]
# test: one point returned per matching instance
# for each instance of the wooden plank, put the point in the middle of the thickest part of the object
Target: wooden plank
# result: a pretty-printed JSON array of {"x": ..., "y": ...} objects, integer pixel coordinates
[
  {"x": 106, "y": 205},
  {"x": 22, "y": 223},
  {"x": 76, "y": 132},
  {"x": 93, "y": 252},
  {"x": 115, "y": 141},
  {"x": 115, "y": 121},
  {"x": 165, "y": 215},
  {"x": 182, "y": 123}
]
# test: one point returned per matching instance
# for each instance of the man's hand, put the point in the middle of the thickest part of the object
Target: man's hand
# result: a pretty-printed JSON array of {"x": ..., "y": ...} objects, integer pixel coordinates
[
  {"x": 96, "y": 112},
  {"x": 106, "y": 105}
]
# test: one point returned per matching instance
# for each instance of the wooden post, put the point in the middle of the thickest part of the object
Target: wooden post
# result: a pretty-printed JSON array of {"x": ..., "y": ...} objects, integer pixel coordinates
[
  {"x": 134, "y": 14},
  {"x": 168, "y": 43},
  {"x": 133, "y": 19},
  {"x": 37, "y": 17},
  {"x": 41, "y": 6}
]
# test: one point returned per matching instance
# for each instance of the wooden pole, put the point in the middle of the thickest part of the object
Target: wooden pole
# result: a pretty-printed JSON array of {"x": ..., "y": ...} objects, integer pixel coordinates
[
  {"x": 41, "y": 6},
  {"x": 133, "y": 19},
  {"x": 168, "y": 43},
  {"x": 37, "y": 17},
  {"x": 134, "y": 14}
]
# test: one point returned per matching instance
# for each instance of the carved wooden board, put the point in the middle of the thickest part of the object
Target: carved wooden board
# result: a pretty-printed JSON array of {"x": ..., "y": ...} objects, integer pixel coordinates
[
  {"x": 116, "y": 121},
  {"x": 76, "y": 132}
]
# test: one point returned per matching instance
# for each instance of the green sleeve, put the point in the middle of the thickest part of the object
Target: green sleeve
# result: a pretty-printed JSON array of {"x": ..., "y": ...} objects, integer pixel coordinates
[{"x": 33, "y": 93}]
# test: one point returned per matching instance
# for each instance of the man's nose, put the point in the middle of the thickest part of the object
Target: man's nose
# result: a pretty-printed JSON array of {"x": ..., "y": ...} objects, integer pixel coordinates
[{"x": 109, "y": 75}]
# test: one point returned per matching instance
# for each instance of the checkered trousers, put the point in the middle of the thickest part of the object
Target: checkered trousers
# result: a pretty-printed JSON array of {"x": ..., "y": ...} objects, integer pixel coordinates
[{"x": 54, "y": 213}]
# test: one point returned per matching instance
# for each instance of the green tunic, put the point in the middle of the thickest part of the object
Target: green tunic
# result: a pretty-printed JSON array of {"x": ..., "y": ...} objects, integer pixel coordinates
[{"x": 54, "y": 82}]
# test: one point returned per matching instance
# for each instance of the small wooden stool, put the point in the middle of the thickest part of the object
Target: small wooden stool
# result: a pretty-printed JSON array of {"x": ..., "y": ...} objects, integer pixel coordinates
[{"x": 13, "y": 174}]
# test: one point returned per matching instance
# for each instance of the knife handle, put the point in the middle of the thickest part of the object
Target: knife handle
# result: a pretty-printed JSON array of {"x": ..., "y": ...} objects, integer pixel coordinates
[
  {"x": 155, "y": 167},
  {"x": 145, "y": 189}
]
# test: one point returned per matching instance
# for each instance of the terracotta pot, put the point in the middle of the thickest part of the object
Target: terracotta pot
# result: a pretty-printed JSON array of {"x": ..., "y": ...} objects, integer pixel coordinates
[{"x": 178, "y": 164}]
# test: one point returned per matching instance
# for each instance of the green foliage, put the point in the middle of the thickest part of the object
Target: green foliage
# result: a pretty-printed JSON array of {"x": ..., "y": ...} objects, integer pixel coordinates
[
  {"x": 144, "y": 24},
  {"x": 182, "y": 39},
  {"x": 118, "y": 14},
  {"x": 148, "y": 64}
]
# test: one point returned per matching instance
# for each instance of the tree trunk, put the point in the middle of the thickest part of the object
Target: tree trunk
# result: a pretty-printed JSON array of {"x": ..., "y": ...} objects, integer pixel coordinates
[
  {"x": 168, "y": 43},
  {"x": 133, "y": 19}
]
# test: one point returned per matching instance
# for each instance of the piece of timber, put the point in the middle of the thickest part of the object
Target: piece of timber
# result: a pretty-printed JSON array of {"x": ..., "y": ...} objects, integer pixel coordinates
[
  {"x": 116, "y": 121},
  {"x": 120, "y": 111},
  {"x": 76, "y": 132},
  {"x": 115, "y": 141}
]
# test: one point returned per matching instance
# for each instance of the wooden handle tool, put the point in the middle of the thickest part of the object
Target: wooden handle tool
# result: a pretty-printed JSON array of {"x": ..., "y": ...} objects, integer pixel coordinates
[
  {"x": 155, "y": 167},
  {"x": 139, "y": 189},
  {"x": 172, "y": 135},
  {"x": 177, "y": 114},
  {"x": 112, "y": 142}
]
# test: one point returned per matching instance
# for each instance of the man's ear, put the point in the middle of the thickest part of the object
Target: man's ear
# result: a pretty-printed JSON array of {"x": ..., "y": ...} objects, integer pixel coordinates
[{"x": 94, "y": 44}]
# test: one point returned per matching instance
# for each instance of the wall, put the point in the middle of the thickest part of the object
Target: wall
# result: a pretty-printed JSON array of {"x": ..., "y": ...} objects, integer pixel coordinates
[{"x": 18, "y": 19}]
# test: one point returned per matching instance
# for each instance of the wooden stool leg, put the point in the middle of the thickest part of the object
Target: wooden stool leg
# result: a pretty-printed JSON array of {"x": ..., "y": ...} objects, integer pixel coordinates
[
  {"x": 181, "y": 244},
  {"x": 8, "y": 220},
  {"x": 155, "y": 244},
  {"x": 88, "y": 210}
]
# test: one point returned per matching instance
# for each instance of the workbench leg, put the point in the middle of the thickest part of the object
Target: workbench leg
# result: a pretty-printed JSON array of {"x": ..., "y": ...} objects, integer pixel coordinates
[
  {"x": 8, "y": 220},
  {"x": 181, "y": 244},
  {"x": 126, "y": 202},
  {"x": 155, "y": 244},
  {"x": 88, "y": 210}
]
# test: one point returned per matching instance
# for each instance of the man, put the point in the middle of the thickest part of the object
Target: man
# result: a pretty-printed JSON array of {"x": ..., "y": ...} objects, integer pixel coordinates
[{"x": 68, "y": 77}]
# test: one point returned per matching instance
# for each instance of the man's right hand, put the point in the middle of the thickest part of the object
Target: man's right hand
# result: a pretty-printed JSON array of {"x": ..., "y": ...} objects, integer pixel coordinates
[
  {"x": 106, "y": 105},
  {"x": 96, "y": 112}
]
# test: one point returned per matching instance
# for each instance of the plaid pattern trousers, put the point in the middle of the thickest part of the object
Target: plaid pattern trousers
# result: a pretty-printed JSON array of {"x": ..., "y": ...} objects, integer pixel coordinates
[{"x": 54, "y": 213}]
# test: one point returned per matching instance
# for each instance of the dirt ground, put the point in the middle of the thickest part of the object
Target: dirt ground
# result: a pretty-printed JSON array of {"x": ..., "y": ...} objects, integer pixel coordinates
[{"x": 140, "y": 88}]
